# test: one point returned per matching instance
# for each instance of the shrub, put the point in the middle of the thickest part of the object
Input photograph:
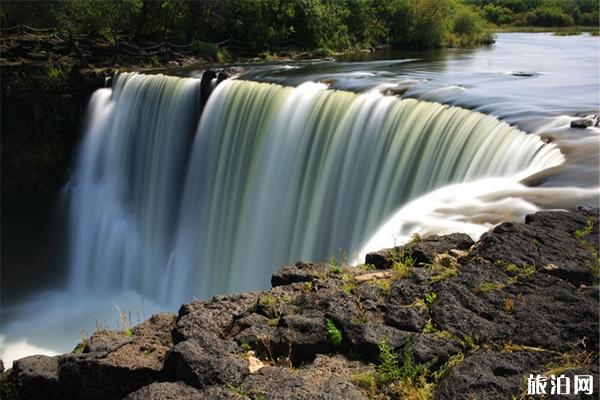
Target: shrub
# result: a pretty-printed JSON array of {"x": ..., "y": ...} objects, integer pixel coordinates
[
  {"x": 334, "y": 334},
  {"x": 548, "y": 16}
]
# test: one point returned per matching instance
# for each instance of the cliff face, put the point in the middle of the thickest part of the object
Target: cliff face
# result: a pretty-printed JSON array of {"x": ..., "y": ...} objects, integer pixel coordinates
[{"x": 440, "y": 317}]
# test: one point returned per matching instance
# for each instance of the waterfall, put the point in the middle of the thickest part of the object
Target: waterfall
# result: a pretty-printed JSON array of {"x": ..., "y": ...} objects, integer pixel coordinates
[{"x": 173, "y": 207}]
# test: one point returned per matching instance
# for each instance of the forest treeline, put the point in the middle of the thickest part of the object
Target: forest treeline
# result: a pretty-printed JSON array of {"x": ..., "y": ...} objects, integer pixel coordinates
[
  {"x": 263, "y": 25},
  {"x": 325, "y": 25},
  {"x": 548, "y": 13}
]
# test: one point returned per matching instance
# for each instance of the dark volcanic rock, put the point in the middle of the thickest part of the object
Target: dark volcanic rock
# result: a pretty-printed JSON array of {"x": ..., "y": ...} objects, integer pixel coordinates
[
  {"x": 423, "y": 251},
  {"x": 114, "y": 364},
  {"x": 199, "y": 367},
  {"x": 37, "y": 376},
  {"x": 479, "y": 318},
  {"x": 548, "y": 241},
  {"x": 299, "y": 272},
  {"x": 489, "y": 375},
  {"x": 167, "y": 391}
]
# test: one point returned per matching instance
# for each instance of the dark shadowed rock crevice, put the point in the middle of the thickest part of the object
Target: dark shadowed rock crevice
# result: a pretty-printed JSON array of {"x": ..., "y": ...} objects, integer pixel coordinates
[{"x": 440, "y": 317}]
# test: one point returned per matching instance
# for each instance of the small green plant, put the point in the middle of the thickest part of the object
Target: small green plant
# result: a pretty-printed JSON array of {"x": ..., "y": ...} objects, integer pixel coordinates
[
  {"x": 489, "y": 286},
  {"x": 444, "y": 266},
  {"x": 365, "y": 381},
  {"x": 586, "y": 230},
  {"x": 452, "y": 362},
  {"x": 337, "y": 262},
  {"x": 154, "y": 61},
  {"x": 79, "y": 348},
  {"x": 415, "y": 238},
  {"x": 124, "y": 321},
  {"x": 429, "y": 328},
  {"x": 391, "y": 369},
  {"x": 594, "y": 264},
  {"x": 515, "y": 270},
  {"x": 384, "y": 284},
  {"x": 334, "y": 334},
  {"x": 239, "y": 391},
  {"x": 246, "y": 347},
  {"x": 367, "y": 267},
  {"x": 419, "y": 304},
  {"x": 469, "y": 342},
  {"x": 430, "y": 297},
  {"x": 271, "y": 304}
]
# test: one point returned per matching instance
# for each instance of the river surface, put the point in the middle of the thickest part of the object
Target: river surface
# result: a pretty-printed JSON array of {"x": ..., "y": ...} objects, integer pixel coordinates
[{"x": 536, "y": 82}]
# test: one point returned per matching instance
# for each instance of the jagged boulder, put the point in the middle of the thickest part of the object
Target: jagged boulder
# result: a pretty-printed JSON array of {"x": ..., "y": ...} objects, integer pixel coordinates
[{"x": 422, "y": 251}]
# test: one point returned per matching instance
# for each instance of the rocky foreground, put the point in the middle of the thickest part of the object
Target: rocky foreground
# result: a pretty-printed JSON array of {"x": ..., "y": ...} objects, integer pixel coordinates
[{"x": 441, "y": 317}]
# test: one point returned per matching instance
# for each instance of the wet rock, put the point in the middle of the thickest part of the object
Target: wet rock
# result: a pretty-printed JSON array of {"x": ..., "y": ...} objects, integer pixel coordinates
[
  {"x": 585, "y": 122},
  {"x": 36, "y": 376},
  {"x": 230, "y": 73},
  {"x": 299, "y": 272},
  {"x": 206, "y": 87},
  {"x": 523, "y": 73}
]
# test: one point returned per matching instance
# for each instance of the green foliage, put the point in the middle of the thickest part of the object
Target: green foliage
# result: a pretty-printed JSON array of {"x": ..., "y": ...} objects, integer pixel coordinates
[
  {"x": 402, "y": 263},
  {"x": 586, "y": 230},
  {"x": 452, "y": 362},
  {"x": 548, "y": 16},
  {"x": 366, "y": 381},
  {"x": 255, "y": 26},
  {"x": 245, "y": 346},
  {"x": 489, "y": 286},
  {"x": 430, "y": 297},
  {"x": 444, "y": 267},
  {"x": 337, "y": 262},
  {"x": 548, "y": 13},
  {"x": 581, "y": 234},
  {"x": 390, "y": 368},
  {"x": 334, "y": 334}
]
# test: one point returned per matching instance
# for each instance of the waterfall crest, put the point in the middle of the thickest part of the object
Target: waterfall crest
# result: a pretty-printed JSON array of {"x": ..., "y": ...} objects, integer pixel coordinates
[{"x": 271, "y": 175}]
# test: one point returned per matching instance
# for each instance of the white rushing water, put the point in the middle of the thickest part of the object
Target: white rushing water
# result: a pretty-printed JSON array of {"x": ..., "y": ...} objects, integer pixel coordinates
[
  {"x": 275, "y": 174},
  {"x": 172, "y": 207}
]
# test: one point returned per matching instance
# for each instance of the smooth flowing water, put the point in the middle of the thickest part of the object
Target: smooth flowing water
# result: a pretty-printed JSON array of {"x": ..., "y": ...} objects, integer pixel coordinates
[{"x": 166, "y": 206}]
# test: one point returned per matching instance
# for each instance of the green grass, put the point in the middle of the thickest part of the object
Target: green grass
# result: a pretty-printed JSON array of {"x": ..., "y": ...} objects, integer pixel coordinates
[
  {"x": 489, "y": 286},
  {"x": 452, "y": 362}
]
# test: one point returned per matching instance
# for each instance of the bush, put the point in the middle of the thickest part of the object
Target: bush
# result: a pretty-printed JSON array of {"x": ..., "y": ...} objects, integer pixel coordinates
[
  {"x": 498, "y": 14},
  {"x": 548, "y": 16},
  {"x": 589, "y": 19},
  {"x": 467, "y": 22}
]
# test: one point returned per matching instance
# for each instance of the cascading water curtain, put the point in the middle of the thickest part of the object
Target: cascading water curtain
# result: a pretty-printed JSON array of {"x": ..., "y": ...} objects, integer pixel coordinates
[{"x": 275, "y": 174}]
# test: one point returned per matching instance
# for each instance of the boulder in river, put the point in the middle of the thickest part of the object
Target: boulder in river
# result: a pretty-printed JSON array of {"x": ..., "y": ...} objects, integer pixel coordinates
[{"x": 585, "y": 122}]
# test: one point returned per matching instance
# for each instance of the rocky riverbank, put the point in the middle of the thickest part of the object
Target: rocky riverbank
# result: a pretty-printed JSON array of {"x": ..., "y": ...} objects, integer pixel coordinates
[{"x": 441, "y": 317}]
